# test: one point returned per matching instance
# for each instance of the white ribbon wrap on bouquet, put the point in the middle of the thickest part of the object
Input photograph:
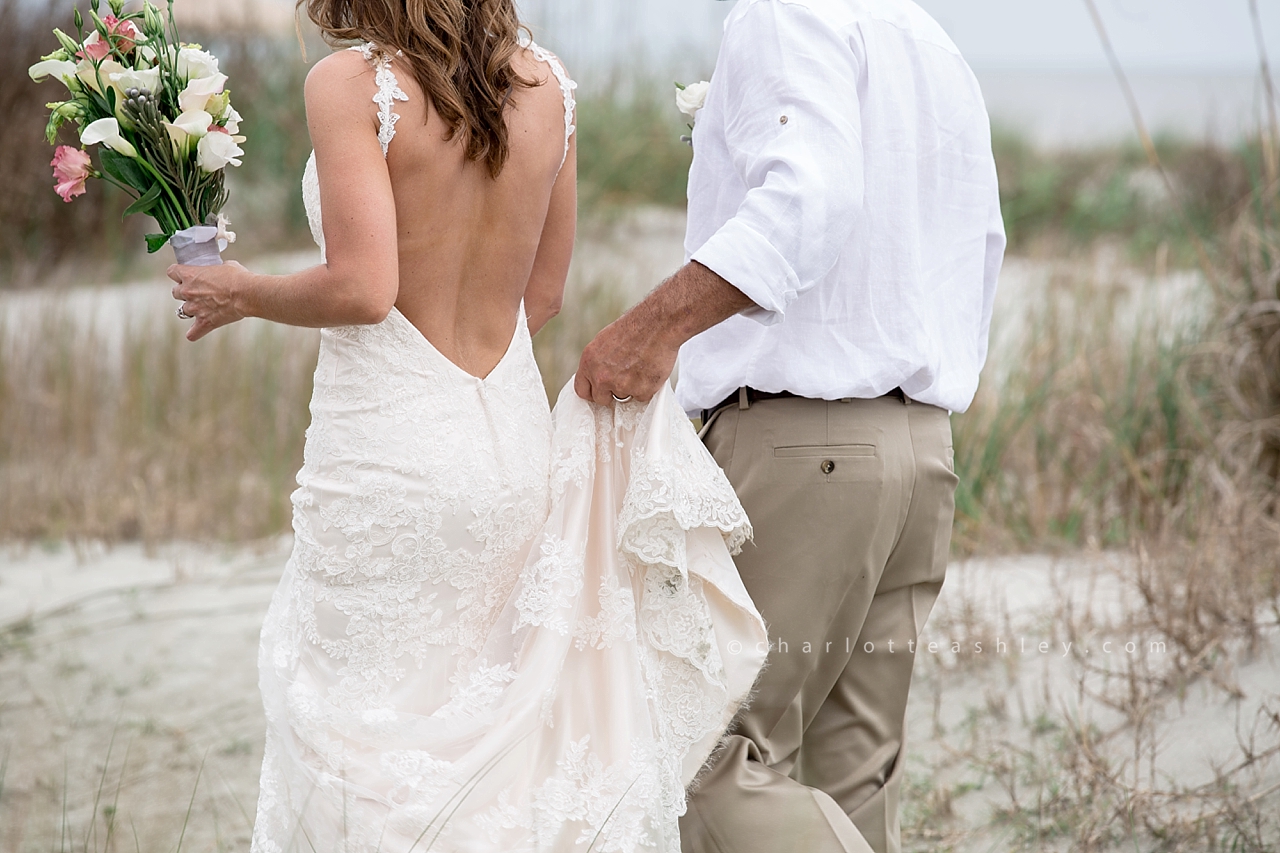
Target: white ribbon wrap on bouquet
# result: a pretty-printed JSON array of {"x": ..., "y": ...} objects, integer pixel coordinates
[{"x": 198, "y": 246}]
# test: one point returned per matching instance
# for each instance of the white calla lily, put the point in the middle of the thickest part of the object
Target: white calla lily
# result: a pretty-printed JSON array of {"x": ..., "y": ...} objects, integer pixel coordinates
[
  {"x": 193, "y": 124},
  {"x": 132, "y": 79},
  {"x": 216, "y": 151},
  {"x": 107, "y": 131},
  {"x": 87, "y": 74},
  {"x": 63, "y": 69},
  {"x": 199, "y": 91}
]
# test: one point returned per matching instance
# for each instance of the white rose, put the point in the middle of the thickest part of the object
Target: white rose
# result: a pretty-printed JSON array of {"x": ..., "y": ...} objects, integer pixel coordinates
[
  {"x": 107, "y": 131},
  {"x": 63, "y": 69},
  {"x": 198, "y": 92},
  {"x": 193, "y": 124},
  {"x": 692, "y": 98},
  {"x": 195, "y": 64},
  {"x": 217, "y": 150},
  {"x": 131, "y": 79}
]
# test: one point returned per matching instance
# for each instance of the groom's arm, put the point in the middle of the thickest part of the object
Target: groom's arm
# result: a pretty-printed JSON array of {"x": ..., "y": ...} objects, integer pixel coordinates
[
  {"x": 785, "y": 96},
  {"x": 634, "y": 355}
]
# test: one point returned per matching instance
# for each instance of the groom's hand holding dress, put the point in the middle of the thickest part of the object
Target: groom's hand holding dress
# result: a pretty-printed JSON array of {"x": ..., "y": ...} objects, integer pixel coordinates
[
  {"x": 635, "y": 355},
  {"x": 844, "y": 224}
]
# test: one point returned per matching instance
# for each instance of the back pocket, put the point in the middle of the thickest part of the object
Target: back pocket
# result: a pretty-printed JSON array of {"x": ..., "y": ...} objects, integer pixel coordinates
[{"x": 826, "y": 463}]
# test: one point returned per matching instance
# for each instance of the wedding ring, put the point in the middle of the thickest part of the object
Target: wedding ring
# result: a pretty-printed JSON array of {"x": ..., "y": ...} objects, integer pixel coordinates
[
  {"x": 183, "y": 315},
  {"x": 617, "y": 399}
]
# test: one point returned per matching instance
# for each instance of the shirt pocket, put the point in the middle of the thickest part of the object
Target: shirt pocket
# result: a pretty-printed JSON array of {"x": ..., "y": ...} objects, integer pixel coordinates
[{"x": 826, "y": 463}]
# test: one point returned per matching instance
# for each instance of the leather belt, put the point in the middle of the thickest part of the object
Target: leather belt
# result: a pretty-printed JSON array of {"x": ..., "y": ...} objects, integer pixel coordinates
[{"x": 754, "y": 396}]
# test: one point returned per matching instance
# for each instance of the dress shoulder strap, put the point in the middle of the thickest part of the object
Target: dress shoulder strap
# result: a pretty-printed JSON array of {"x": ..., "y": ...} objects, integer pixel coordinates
[
  {"x": 567, "y": 86},
  {"x": 388, "y": 93}
]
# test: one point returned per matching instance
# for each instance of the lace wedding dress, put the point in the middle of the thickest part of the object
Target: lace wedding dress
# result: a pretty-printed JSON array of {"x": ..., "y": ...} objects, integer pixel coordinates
[{"x": 501, "y": 629}]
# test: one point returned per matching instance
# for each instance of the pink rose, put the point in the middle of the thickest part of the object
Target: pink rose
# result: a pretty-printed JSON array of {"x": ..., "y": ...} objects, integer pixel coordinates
[
  {"x": 122, "y": 34},
  {"x": 125, "y": 32},
  {"x": 71, "y": 168},
  {"x": 217, "y": 128},
  {"x": 95, "y": 48}
]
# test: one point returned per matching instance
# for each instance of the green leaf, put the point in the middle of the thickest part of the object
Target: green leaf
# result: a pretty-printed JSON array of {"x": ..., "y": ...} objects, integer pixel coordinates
[
  {"x": 124, "y": 170},
  {"x": 98, "y": 106},
  {"x": 145, "y": 202},
  {"x": 156, "y": 242}
]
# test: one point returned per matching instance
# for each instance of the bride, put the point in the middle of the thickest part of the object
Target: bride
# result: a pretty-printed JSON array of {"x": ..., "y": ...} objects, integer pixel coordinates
[{"x": 501, "y": 629}]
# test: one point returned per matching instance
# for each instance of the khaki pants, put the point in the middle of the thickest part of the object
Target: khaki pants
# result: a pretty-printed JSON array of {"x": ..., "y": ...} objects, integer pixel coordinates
[{"x": 852, "y": 504}]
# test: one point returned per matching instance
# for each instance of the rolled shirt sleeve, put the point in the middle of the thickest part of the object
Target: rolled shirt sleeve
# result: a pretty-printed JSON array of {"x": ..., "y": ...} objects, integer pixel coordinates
[{"x": 786, "y": 88}]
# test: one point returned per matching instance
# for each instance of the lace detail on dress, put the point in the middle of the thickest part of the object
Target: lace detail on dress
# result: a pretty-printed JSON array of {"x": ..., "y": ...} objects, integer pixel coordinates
[
  {"x": 567, "y": 86},
  {"x": 388, "y": 93},
  {"x": 549, "y": 665}
]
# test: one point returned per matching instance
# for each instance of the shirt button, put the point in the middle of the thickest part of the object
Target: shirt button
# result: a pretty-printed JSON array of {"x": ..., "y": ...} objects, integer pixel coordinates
[
  {"x": 827, "y": 466},
  {"x": 782, "y": 120}
]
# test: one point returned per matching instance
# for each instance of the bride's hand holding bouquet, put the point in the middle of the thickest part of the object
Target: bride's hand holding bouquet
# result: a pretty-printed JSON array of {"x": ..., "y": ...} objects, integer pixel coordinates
[{"x": 159, "y": 115}]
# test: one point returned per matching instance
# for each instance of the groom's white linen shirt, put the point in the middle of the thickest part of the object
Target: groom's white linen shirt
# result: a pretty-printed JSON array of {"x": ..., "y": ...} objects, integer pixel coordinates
[{"x": 843, "y": 180}]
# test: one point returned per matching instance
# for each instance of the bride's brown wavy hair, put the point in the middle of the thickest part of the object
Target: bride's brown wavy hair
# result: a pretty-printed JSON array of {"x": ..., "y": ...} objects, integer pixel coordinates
[{"x": 460, "y": 52}]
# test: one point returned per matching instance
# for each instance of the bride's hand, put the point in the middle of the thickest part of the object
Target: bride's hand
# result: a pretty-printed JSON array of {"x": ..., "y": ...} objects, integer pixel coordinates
[{"x": 208, "y": 295}]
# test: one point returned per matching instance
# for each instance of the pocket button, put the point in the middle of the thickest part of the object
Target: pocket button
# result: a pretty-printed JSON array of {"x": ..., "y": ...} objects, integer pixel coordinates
[{"x": 827, "y": 466}]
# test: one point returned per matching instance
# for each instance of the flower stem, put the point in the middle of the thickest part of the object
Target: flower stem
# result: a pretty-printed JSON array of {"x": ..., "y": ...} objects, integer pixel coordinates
[{"x": 178, "y": 208}]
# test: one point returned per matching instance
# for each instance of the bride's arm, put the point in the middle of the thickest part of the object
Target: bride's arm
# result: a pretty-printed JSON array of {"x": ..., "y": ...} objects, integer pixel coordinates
[
  {"x": 545, "y": 292},
  {"x": 359, "y": 282}
]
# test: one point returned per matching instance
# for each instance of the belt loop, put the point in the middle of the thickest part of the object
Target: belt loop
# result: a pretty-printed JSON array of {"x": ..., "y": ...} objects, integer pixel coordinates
[{"x": 744, "y": 402}]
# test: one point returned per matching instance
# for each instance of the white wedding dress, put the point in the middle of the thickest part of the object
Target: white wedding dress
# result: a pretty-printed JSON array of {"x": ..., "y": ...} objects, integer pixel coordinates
[{"x": 500, "y": 630}]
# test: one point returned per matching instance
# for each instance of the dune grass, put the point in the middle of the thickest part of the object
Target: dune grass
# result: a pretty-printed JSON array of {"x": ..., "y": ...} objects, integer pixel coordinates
[{"x": 150, "y": 438}]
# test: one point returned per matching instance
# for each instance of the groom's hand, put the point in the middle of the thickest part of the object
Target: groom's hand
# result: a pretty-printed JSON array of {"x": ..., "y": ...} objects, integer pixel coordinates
[{"x": 633, "y": 356}]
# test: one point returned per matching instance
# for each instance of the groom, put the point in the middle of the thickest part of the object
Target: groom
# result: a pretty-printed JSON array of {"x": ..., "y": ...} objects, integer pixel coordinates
[{"x": 844, "y": 240}]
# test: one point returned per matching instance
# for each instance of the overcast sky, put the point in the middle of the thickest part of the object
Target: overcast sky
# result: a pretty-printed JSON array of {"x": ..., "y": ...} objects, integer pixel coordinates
[
  {"x": 1168, "y": 35},
  {"x": 1181, "y": 35},
  {"x": 1147, "y": 34}
]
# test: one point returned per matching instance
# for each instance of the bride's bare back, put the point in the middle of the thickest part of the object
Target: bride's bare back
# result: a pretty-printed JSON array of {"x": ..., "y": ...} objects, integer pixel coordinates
[{"x": 453, "y": 248}]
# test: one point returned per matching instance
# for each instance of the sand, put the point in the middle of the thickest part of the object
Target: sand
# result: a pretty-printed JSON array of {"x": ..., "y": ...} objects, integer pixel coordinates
[{"x": 159, "y": 651}]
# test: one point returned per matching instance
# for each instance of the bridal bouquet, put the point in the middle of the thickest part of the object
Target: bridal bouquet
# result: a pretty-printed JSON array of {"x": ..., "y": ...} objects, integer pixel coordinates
[{"x": 159, "y": 115}]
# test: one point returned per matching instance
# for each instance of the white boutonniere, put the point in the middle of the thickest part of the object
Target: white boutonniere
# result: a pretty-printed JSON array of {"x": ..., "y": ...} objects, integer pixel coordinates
[{"x": 690, "y": 100}]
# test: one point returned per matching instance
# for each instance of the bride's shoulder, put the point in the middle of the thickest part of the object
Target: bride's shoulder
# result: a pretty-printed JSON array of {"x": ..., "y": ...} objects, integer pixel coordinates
[
  {"x": 340, "y": 75},
  {"x": 338, "y": 89}
]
